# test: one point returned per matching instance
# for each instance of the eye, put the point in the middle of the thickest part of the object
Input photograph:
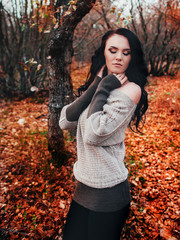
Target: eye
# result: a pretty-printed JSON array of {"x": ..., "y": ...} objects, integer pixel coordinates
[
  {"x": 113, "y": 51},
  {"x": 127, "y": 53}
]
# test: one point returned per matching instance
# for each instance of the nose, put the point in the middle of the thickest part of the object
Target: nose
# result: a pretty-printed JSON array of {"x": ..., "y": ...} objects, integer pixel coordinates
[{"x": 119, "y": 56}]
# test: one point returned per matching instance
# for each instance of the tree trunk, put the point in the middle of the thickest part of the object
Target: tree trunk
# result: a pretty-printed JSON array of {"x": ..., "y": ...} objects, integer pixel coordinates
[{"x": 60, "y": 86}]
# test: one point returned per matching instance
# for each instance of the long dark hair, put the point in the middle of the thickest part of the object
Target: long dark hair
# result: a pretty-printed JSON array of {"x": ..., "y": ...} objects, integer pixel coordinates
[{"x": 136, "y": 72}]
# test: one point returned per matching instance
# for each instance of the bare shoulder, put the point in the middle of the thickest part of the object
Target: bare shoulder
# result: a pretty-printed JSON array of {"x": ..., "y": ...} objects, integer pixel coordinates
[{"x": 132, "y": 90}]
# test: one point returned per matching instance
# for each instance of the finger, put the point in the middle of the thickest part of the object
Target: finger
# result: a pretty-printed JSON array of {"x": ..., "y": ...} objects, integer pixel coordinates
[
  {"x": 124, "y": 80},
  {"x": 121, "y": 76}
]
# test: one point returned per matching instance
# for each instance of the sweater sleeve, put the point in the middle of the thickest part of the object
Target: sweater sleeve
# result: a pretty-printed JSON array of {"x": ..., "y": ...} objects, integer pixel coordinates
[
  {"x": 108, "y": 84},
  {"x": 63, "y": 122},
  {"x": 106, "y": 127},
  {"x": 74, "y": 110},
  {"x": 70, "y": 113}
]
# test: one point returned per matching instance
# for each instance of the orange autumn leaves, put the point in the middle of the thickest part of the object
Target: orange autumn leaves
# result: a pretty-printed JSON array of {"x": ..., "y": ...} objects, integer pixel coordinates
[
  {"x": 154, "y": 169},
  {"x": 35, "y": 194}
]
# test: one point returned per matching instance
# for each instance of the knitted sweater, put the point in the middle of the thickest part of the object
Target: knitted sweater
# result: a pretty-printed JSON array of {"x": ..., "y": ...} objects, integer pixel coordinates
[{"x": 100, "y": 136}]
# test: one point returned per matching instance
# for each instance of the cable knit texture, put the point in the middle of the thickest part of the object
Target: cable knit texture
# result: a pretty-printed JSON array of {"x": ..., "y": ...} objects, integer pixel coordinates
[{"x": 100, "y": 141}]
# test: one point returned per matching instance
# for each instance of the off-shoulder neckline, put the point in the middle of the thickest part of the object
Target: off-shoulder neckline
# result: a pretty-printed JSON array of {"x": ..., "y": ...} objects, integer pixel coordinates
[{"x": 117, "y": 92}]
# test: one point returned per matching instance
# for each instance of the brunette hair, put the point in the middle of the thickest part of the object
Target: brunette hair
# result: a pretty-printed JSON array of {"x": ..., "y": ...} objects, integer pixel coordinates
[{"x": 136, "y": 72}]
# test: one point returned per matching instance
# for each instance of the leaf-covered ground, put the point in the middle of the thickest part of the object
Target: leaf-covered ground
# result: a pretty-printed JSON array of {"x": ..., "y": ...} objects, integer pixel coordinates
[{"x": 35, "y": 195}]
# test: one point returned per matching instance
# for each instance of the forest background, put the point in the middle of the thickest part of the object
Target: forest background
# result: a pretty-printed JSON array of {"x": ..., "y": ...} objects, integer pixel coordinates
[{"x": 36, "y": 190}]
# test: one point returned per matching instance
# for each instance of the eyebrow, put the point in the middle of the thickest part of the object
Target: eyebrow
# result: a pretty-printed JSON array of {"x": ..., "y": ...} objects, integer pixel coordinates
[{"x": 126, "y": 49}]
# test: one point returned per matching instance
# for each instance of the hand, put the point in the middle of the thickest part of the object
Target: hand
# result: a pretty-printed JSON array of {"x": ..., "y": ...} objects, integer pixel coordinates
[
  {"x": 121, "y": 77},
  {"x": 100, "y": 73}
]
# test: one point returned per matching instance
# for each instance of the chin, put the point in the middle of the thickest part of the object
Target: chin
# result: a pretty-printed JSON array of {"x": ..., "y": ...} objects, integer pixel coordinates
[{"x": 117, "y": 72}]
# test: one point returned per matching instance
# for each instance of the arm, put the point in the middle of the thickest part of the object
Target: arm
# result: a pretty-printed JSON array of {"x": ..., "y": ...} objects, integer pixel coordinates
[
  {"x": 77, "y": 107},
  {"x": 109, "y": 83},
  {"x": 63, "y": 122},
  {"x": 71, "y": 112},
  {"x": 99, "y": 99},
  {"x": 108, "y": 118}
]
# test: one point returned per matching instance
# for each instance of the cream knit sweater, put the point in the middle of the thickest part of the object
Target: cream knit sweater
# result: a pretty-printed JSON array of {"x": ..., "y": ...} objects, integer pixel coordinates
[{"x": 100, "y": 141}]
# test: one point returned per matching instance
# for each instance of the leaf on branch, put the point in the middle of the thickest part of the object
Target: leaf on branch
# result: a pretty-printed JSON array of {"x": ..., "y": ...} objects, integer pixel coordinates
[
  {"x": 31, "y": 61},
  {"x": 34, "y": 24},
  {"x": 113, "y": 10},
  {"x": 23, "y": 27},
  {"x": 67, "y": 12},
  {"x": 71, "y": 3},
  {"x": 39, "y": 67},
  {"x": 56, "y": 26},
  {"x": 34, "y": 89}
]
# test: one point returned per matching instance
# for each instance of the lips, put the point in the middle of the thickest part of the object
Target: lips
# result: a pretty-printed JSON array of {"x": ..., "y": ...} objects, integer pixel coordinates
[{"x": 117, "y": 64}]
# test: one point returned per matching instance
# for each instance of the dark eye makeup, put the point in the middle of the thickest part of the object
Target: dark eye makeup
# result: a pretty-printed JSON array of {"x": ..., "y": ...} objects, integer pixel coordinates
[
  {"x": 127, "y": 53},
  {"x": 114, "y": 50}
]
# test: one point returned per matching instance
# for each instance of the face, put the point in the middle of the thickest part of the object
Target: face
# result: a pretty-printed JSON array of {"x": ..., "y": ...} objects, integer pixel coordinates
[{"x": 117, "y": 54}]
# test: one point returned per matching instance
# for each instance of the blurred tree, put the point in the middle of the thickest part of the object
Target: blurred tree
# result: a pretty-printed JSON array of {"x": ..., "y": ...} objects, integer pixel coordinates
[
  {"x": 105, "y": 15},
  {"x": 23, "y": 37},
  {"x": 89, "y": 31},
  {"x": 158, "y": 28},
  {"x": 172, "y": 11},
  {"x": 60, "y": 55}
]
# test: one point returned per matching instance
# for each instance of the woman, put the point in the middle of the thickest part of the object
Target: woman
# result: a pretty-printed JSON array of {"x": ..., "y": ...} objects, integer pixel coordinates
[{"x": 114, "y": 97}]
